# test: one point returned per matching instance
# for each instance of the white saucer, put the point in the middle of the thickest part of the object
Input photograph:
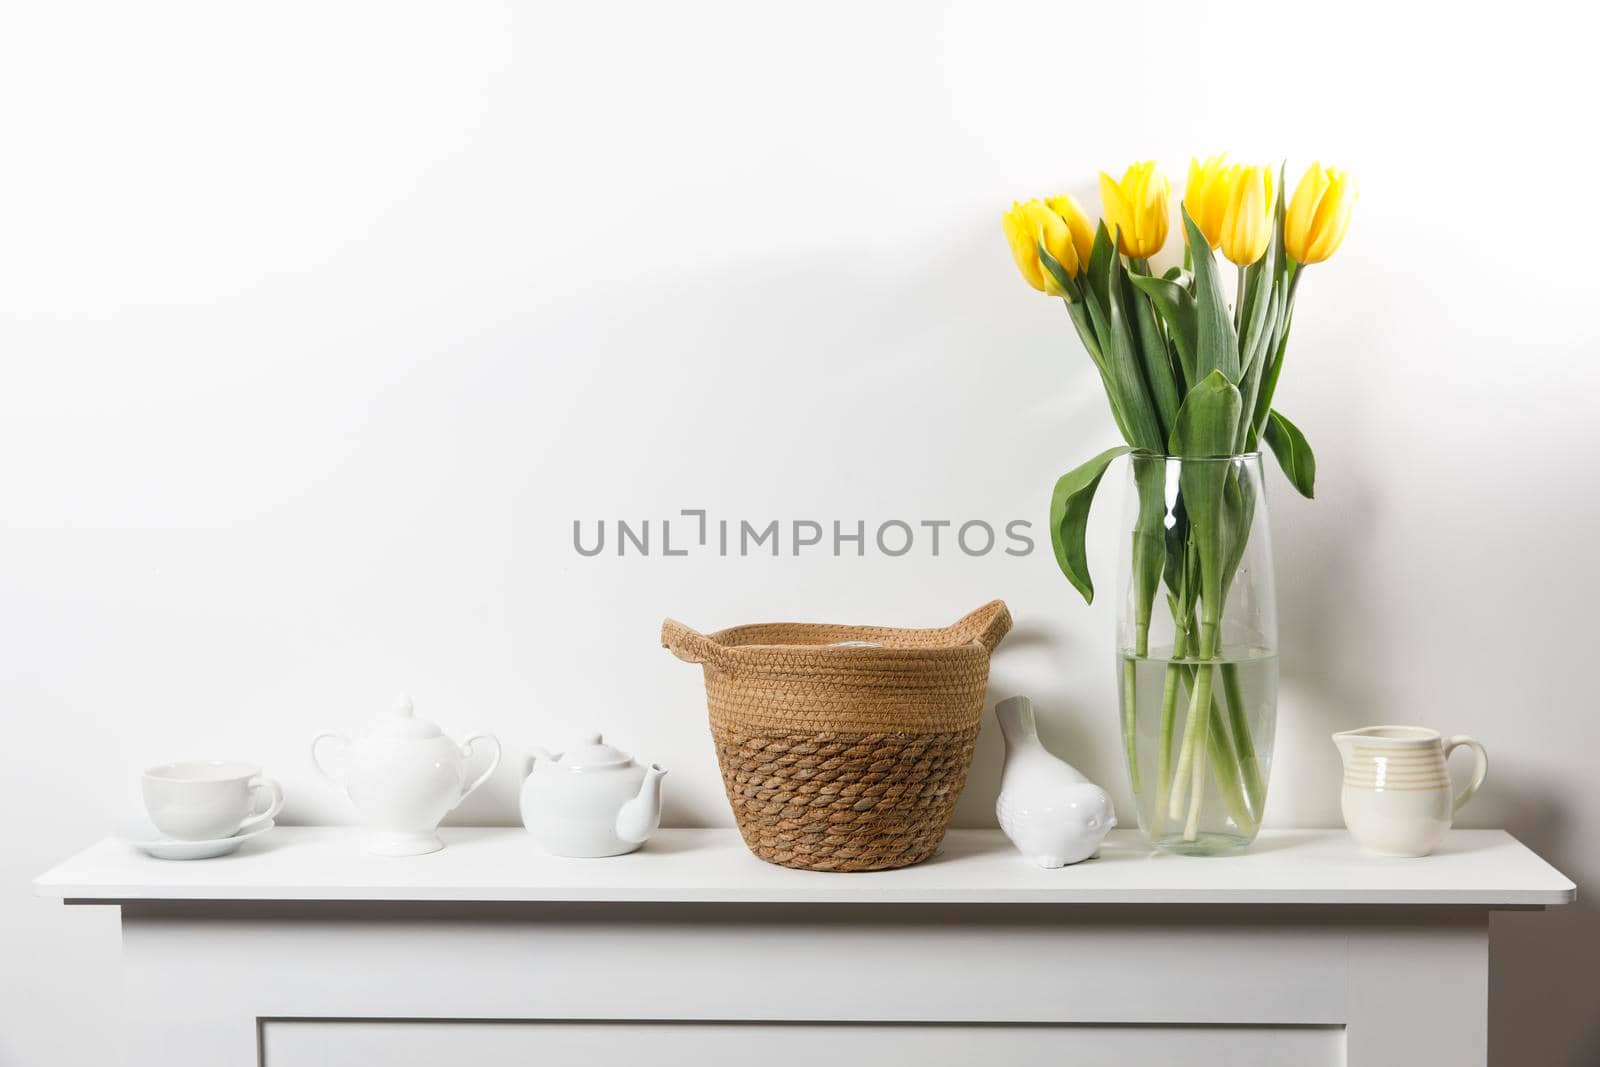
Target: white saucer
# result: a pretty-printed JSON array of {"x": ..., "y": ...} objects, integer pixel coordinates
[{"x": 147, "y": 839}]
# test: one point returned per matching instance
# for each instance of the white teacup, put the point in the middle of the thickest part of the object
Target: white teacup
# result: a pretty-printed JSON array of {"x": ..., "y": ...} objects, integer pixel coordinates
[{"x": 204, "y": 800}]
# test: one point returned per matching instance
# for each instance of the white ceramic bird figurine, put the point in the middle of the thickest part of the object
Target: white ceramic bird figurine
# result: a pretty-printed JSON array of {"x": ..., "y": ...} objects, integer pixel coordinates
[{"x": 1053, "y": 814}]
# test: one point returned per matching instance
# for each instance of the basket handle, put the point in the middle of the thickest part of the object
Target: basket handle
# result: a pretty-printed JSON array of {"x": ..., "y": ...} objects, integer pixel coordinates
[
  {"x": 986, "y": 626},
  {"x": 687, "y": 643}
]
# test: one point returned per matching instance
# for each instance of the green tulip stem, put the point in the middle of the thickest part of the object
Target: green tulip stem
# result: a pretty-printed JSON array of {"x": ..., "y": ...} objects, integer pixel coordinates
[
  {"x": 1191, "y": 827},
  {"x": 1130, "y": 700},
  {"x": 1225, "y": 764},
  {"x": 1249, "y": 766},
  {"x": 1169, "y": 720},
  {"x": 1195, "y": 723}
]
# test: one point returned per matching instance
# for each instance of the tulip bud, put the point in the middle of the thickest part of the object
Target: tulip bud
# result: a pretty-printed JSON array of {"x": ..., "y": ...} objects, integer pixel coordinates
[
  {"x": 1033, "y": 224},
  {"x": 1318, "y": 216},
  {"x": 1247, "y": 224},
  {"x": 1078, "y": 225},
  {"x": 1136, "y": 209},
  {"x": 1206, "y": 195}
]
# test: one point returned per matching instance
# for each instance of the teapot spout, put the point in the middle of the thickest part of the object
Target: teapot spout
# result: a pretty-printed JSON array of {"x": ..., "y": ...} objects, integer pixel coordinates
[{"x": 640, "y": 816}]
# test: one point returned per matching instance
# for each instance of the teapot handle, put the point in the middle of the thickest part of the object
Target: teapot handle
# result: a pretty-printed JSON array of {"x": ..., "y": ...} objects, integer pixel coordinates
[
  {"x": 316, "y": 760},
  {"x": 466, "y": 752}
]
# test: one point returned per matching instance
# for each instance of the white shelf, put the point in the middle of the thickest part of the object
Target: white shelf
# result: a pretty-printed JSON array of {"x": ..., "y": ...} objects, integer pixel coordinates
[{"x": 1485, "y": 868}]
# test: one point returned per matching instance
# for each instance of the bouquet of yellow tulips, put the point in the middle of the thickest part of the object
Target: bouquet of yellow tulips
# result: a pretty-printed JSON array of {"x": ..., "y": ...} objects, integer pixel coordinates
[{"x": 1190, "y": 375}]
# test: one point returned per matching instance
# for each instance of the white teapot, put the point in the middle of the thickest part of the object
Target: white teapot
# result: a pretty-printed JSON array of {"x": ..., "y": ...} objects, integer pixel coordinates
[
  {"x": 591, "y": 800},
  {"x": 404, "y": 776}
]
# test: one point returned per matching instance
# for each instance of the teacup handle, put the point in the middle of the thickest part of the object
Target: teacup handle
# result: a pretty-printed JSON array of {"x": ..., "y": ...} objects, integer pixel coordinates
[
  {"x": 270, "y": 788},
  {"x": 1480, "y": 766},
  {"x": 466, "y": 752},
  {"x": 316, "y": 760}
]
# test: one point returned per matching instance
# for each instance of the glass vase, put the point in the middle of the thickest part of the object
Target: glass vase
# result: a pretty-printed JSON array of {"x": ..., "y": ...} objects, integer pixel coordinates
[{"x": 1197, "y": 650}]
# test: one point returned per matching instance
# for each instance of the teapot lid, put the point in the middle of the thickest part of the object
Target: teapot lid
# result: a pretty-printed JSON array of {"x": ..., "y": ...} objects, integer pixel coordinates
[
  {"x": 402, "y": 722},
  {"x": 592, "y": 753}
]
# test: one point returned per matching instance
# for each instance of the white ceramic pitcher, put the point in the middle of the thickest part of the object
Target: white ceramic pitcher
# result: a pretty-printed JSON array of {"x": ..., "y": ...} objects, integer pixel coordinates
[{"x": 1397, "y": 799}]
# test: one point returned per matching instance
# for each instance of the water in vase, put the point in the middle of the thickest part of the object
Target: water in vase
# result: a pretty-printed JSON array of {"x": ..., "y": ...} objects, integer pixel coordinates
[{"x": 1199, "y": 770}]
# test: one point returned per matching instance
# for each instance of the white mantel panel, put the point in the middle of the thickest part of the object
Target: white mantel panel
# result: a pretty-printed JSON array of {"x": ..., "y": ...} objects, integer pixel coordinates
[
  {"x": 310, "y": 1043},
  {"x": 1485, "y": 868}
]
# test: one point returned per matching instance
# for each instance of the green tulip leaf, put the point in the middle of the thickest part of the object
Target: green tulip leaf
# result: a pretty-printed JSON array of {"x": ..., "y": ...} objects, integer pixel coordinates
[
  {"x": 1216, "y": 343},
  {"x": 1259, "y": 398},
  {"x": 1123, "y": 370},
  {"x": 1274, "y": 365},
  {"x": 1101, "y": 253},
  {"x": 1257, "y": 308},
  {"x": 1294, "y": 454},
  {"x": 1202, "y": 485},
  {"x": 1250, "y": 386},
  {"x": 1178, "y": 579},
  {"x": 1057, "y": 271},
  {"x": 1079, "y": 311},
  {"x": 1176, "y": 308},
  {"x": 1149, "y": 549},
  {"x": 1069, "y": 513},
  {"x": 1207, "y": 420},
  {"x": 1207, "y": 423},
  {"x": 1238, "y": 512},
  {"x": 1153, "y": 354}
]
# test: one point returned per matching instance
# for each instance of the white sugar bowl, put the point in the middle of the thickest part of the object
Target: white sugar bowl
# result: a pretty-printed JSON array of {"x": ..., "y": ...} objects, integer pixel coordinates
[
  {"x": 404, "y": 776},
  {"x": 591, "y": 800}
]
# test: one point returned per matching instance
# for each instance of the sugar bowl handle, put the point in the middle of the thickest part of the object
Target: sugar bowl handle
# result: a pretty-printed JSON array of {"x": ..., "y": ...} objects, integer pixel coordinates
[
  {"x": 316, "y": 759},
  {"x": 466, "y": 752},
  {"x": 1480, "y": 766}
]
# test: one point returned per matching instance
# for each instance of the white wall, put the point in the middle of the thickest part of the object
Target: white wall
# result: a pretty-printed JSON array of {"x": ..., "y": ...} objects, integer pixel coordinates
[{"x": 320, "y": 323}]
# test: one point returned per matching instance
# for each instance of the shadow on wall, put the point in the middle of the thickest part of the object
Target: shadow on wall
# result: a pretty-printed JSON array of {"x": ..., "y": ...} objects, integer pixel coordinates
[
  {"x": 1542, "y": 963},
  {"x": 1058, "y": 726}
]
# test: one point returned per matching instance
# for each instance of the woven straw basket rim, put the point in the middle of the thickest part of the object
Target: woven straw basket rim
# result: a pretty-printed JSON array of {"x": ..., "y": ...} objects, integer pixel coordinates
[
  {"x": 907, "y": 683},
  {"x": 753, "y": 645}
]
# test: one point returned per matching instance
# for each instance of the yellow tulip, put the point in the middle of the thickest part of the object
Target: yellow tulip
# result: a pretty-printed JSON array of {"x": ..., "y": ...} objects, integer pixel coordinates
[
  {"x": 1247, "y": 223},
  {"x": 1206, "y": 195},
  {"x": 1033, "y": 224},
  {"x": 1136, "y": 209},
  {"x": 1078, "y": 225},
  {"x": 1318, "y": 216}
]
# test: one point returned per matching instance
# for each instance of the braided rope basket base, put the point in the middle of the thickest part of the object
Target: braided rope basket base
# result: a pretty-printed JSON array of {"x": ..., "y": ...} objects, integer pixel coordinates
[{"x": 844, "y": 748}]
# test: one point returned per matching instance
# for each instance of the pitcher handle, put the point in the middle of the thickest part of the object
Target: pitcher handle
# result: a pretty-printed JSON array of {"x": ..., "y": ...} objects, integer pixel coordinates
[
  {"x": 1480, "y": 766},
  {"x": 466, "y": 751}
]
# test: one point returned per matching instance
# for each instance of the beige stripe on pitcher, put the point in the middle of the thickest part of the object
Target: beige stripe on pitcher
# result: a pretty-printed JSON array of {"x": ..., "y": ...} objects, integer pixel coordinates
[
  {"x": 1399, "y": 776},
  {"x": 1386, "y": 787}
]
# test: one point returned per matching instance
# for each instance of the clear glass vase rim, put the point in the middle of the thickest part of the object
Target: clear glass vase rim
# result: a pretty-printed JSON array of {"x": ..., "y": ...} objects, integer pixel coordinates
[{"x": 1236, "y": 457}]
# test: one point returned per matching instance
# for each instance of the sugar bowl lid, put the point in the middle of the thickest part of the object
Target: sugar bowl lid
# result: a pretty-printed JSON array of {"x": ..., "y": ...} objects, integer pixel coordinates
[
  {"x": 401, "y": 722},
  {"x": 592, "y": 753}
]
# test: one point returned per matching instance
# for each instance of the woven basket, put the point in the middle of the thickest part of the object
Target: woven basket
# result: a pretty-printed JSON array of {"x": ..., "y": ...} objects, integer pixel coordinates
[{"x": 844, "y": 757}]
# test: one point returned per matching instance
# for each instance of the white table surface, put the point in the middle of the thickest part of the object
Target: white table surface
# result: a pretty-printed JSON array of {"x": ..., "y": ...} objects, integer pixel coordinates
[{"x": 1474, "y": 867}]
